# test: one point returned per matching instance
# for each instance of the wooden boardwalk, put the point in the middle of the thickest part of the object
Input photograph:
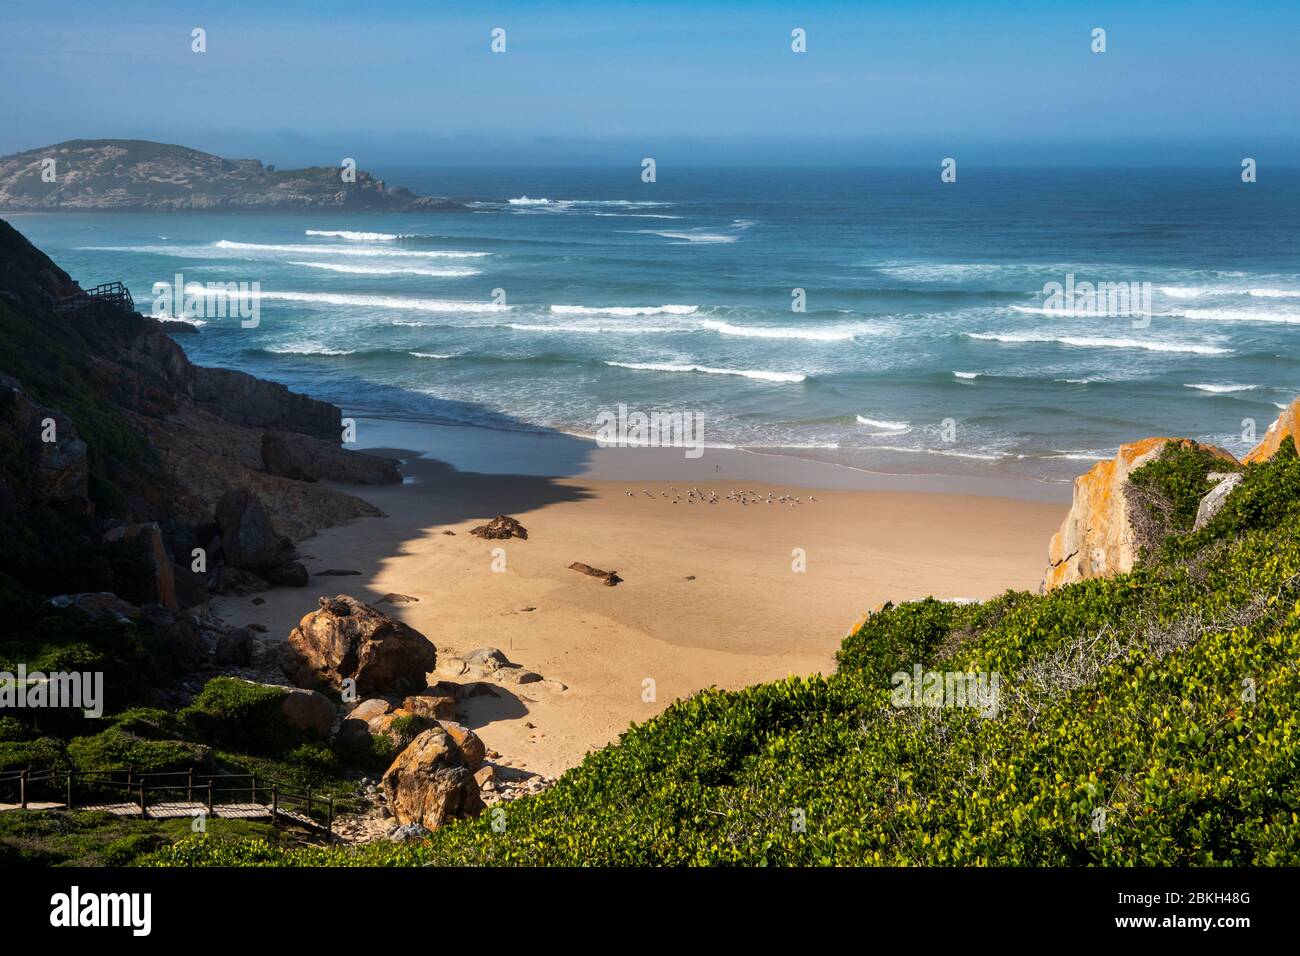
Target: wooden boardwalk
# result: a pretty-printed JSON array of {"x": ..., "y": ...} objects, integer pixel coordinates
[
  {"x": 164, "y": 796},
  {"x": 173, "y": 810}
]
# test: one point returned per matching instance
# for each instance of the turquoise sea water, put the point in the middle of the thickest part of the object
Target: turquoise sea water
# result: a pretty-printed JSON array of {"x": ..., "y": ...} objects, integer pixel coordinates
[{"x": 923, "y": 305}]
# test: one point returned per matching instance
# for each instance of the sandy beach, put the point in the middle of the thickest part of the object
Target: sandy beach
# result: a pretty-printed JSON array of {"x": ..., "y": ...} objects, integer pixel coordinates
[{"x": 710, "y": 592}]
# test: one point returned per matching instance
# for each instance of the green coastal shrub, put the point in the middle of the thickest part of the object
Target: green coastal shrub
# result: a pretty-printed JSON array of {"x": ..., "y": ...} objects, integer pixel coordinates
[
  {"x": 116, "y": 748},
  {"x": 230, "y": 712}
]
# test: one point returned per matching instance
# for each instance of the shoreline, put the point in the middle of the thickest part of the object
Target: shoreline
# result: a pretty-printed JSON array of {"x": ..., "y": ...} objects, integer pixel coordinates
[
  {"x": 557, "y": 454},
  {"x": 710, "y": 595}
]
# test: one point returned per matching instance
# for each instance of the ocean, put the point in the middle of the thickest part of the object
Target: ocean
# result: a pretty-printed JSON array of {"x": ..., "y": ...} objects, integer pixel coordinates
[{"x": 927, "y": 342}]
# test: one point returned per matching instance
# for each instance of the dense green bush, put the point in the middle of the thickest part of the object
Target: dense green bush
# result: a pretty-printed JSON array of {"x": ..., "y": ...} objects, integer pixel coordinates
[
  {"x": 116, "y": 748},
  {"x": 231, "y": 712}
]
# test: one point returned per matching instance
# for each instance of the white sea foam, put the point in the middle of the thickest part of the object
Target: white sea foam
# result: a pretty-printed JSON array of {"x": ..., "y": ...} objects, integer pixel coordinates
[
  {"x": 381, "y": 302},
  {"x": 1097, "y": 342},
  {"x": 789, "y": 377},
  {"x": 448, "y": 273},
  {"x": 525, "y": 201},
  {"x": 967, "y": 375},
  {"x": 1201, "y": 292},
  {"x": 352, "y": 236},
  {"x": 1079, "y": 456},
  {"x": 691, "y": 236},
  {"x": 1234, "y": 315},
  {"x": 635, "y": 215},
  {"x": 430, "y": 355},
  {"x": 1222, "y": 389},
  {"x": 631, "y": 329},
  {"x": 259, "y": 247},
  {"x": 307, "y": 348},
  {"x": 942, "y": 272},
  {"x": 618, "y": 310},
  {"x": 764, "y": 332},
  {"x": 887, "y": 425},
  {"x": 979, "y": 456}
]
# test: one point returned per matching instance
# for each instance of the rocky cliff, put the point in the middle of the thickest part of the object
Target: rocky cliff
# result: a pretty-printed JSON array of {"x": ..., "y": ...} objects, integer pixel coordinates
[
  {"x": 139, "y": 176},
  {"x": 107, "y": 426},
  {"x": 1112, "y": 518}
]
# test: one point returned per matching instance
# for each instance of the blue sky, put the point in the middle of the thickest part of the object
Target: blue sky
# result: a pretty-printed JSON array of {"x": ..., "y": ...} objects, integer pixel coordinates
[{"x": 702, "y": 82}]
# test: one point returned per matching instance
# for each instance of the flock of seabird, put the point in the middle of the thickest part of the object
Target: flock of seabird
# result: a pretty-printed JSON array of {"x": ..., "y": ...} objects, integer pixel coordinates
[{"x": 744, "y": 497}]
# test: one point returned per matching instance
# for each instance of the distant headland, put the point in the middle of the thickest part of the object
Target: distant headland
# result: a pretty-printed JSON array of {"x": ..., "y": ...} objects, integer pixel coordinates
[{"x": 132, "y": 175}]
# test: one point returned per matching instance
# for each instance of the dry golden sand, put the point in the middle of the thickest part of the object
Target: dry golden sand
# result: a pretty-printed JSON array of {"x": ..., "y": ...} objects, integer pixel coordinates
[{"x": 709, "y": 595}]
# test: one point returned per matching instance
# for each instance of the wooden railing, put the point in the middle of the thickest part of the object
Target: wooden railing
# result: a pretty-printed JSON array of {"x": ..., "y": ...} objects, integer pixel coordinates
[
  {"x": 113, "y": 294},
  {"x": 172, "y": 793}
]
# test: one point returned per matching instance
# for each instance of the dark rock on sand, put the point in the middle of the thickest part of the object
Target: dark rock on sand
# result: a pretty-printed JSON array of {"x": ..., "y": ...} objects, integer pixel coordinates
[{"x": 502, "y": 526}]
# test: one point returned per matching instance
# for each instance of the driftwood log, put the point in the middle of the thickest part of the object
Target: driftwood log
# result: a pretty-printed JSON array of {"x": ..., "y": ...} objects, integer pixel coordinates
[{"x": 610, "y": 578}]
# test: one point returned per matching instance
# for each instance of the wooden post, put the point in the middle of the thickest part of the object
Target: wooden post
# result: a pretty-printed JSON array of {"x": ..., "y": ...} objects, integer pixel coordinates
[
  {"x": 252, "y": 792},
  {"x": 275, "y": 802},
  {"x": 329, "y": 820},
  {"x": 144, "y": 813},
  {"x": 68, "y": 799},
  {"x": 189, "y": 785},
  {"x": 22, "y": 788},
  {"x": 309, "y": 803},
  {"x": 209, "y": 798}
]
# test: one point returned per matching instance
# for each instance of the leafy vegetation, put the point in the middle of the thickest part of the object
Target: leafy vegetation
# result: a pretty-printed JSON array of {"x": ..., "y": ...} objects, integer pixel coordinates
[
  {"x": 1165, "y": 493},
  {"x": 1146, "y": 719},
  {"x": 89, "y": 838}
]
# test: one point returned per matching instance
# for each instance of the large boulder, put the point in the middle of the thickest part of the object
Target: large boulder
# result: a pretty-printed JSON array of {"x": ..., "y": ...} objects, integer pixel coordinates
[
  {"x": 471, "y": 747},
  {"x": 348, "y": 640},
  {"x": 430, "y": 783},
  {"x": 309, "y": 710},
  {"x": 1098, "y": 537},
  {"x": 247, "y": 537},
  {"x": 1286, "y": 425},
  {"x": 149, "y": 536},
  {"x": 434, "y": 706}
]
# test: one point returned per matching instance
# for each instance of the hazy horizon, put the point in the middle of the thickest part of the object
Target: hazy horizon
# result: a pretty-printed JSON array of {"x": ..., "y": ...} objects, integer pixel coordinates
[{"x": 401, "y": 84}]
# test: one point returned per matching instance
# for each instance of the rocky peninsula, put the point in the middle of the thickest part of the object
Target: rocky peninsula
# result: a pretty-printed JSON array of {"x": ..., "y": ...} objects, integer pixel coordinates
[{"x": 130, "y": 175}]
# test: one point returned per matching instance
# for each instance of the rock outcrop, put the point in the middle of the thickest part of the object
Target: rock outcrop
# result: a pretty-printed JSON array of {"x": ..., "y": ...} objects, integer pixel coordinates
[
  {"x": 348, "y": 640},
  {"x": 499, "y": 528},
  {"x": 309, "y": 710},
  {"x": 430, "y": 782},
  {"x": 1214, "y": 500},
  {"x": 304, "y": 458},
  {"x": 137, "y": 175},
  {"x": 248, "y": 539},
  {"x": 1098, "y": 537},
  {"x": 150, "y": 537},
  {"x": 1286, "y": 425},
  {"x": 50, "y": 440}
]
